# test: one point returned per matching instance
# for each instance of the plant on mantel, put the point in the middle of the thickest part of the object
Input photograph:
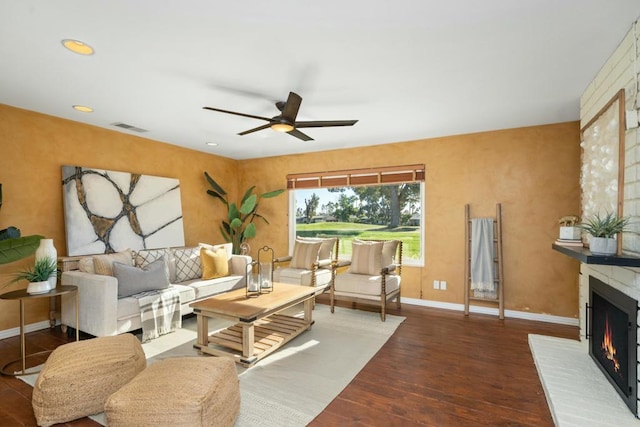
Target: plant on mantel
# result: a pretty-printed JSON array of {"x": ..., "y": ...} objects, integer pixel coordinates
[
  {"x": 239, "y": 225},
  {"x": 603, "y": 230}
]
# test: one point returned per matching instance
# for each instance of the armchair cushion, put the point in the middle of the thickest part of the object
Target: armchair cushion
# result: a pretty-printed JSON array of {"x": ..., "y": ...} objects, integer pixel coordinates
[
  {"x": 214, "y": 262},
  {"x": 133, "y": 280},
  {"x": 326, "y": 248},
  {"x": 366, "y": 257},
  {"x": 389, "y": 249},
  {"x": 102, "y": 263},
  {"x": 300, "y": 276},
  {"x": 365, "y": 286},
  {"x": 304, "y": 254}
]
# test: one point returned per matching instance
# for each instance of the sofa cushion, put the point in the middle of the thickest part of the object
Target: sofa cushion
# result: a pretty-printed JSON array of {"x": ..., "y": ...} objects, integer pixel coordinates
[
  {"x": 86, "y": 265},
  {"x": 305, "y": 253},
  {"x": 227, "y": 246},
  {"x": 366, "y": 257},
  {"x": 144, "y": 257},
  {"x": 102, "y": 263},
  {"x": 214, "y": 262},
  {"x": 188, "y": 266},
  {"x": 133, "y": 280},
  {"x": 204, "y": 288},
  {"x": 130, "y": 307}
]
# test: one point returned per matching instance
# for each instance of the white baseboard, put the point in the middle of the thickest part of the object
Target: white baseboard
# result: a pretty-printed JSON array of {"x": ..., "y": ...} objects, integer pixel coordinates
[
  {"x": 32, "y": 327},
  {"x": 494, "y": 311}
]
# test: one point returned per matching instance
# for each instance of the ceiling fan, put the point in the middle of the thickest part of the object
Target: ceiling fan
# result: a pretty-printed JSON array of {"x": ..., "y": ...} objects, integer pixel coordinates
[{"x": 286, "y": 120}]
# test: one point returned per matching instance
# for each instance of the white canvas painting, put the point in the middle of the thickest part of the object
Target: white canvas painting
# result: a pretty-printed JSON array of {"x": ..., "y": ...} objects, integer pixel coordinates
[{"x": 107, "y": 211}]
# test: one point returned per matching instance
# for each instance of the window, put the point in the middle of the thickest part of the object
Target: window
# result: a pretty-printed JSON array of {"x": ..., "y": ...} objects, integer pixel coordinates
[{"x": 386, "y": 204}]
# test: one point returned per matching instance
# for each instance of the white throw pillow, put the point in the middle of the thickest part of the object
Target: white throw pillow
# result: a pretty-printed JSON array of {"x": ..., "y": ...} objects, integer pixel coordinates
[
  {"x": 366, "y": 257},
  {"x": 102, "y": 263},
  {"x": 389, "y": 250},
  {"x": 188, "y": 266},
  {"x": 327, "y": 247}
]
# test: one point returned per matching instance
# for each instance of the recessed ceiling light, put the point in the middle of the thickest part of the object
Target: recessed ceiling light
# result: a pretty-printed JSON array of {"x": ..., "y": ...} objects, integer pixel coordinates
[
  {"x": 212, "y": 144},
  {"x": 77, "y": 46},
  {"x": 83, "y": 108}
]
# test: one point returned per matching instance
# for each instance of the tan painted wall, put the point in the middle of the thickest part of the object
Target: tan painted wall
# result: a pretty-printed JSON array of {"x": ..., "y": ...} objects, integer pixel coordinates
[
  {"x": 34, "y": 147},
  {"x": 533, "y": 172}
]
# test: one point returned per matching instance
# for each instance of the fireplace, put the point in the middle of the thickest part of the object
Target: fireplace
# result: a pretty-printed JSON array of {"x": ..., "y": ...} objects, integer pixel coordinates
[{"x": 612, "y": 333}]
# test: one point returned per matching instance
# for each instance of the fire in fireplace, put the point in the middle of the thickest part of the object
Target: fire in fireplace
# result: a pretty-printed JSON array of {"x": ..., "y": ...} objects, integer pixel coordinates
[{"x": 613, "y": 332}]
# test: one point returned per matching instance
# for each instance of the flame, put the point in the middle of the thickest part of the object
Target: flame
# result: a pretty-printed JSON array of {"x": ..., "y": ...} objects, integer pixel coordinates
[{"x": 607, "y": 346}]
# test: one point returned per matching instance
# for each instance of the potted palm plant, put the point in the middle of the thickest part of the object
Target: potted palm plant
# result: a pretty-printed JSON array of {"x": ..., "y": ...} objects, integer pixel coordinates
[
  {"x": 603, "y": 230},
  {"x": 38, "y": 275}
]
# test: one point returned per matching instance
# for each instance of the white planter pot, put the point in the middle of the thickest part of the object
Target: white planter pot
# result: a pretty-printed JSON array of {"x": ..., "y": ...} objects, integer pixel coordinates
[
  {"x": 603, "y": 246},
  {"x": 38, "y": 287}
]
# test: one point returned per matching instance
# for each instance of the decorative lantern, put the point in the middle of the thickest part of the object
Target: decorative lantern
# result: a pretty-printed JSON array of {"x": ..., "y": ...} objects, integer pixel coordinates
[
  {"x": 252, "y": 287},
  {"x": 265, "y": 268}
]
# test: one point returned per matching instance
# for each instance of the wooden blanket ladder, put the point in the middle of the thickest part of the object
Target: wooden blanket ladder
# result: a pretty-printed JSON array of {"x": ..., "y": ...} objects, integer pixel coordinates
[{"x": 498, "y": 277}]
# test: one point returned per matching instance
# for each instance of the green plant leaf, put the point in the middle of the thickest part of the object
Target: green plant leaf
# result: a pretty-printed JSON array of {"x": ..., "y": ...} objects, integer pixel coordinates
[
  {"x": 215, "y": 185},
  {"x": 272, "y": 193},
  {"x": 233, "y": 212},
  {"x": 249, "y": 231},
  {"x": 218, "y": 196},
  {"x": 18, "y": 248},
  {"x": 249, "y": 204},
  {"x": 247, "y": 194},
  {"x": 236, "y": 223}
]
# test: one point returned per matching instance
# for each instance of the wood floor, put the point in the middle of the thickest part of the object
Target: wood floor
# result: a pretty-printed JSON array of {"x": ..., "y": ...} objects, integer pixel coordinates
[{"x": 440, "y": 368}]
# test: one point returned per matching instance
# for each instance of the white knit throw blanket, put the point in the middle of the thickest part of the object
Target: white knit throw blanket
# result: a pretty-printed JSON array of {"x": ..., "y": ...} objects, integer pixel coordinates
[
  {"x": 159, "y": 312},
  {"x": 482, "y": 256}
]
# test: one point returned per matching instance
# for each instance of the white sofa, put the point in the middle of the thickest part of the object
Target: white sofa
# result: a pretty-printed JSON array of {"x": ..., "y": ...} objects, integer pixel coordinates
[{"x": 103, "y": 313}]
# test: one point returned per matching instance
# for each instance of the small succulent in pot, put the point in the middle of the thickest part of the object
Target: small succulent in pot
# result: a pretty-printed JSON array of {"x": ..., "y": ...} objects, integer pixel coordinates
[
  {"x": 39, "y": 274},
  {"x": 605, "y": 226}
]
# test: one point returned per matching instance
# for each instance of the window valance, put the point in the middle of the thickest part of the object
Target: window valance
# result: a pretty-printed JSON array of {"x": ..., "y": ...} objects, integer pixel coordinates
[{"x": 355, "y": 177}]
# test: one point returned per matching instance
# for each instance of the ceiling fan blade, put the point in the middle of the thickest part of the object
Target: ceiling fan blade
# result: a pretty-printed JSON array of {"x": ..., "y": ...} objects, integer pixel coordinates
[
  {"x": 300, "y": 135},
  {"x": 290, "y": 111},
  {"x": 325, "y": 123},
  {"x": 255, "y": 129},
  {"x": 237, "y": 114}
]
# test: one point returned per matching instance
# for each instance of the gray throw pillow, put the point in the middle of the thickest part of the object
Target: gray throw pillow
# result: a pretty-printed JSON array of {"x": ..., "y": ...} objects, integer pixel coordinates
[{"x": 133, "y": 280}]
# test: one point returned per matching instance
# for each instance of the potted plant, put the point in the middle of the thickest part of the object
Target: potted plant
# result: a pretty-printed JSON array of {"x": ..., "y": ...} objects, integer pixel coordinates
[
  {"x": 239, "y": 226},
  {"x": 38, "y": 275},
  {"x": 603, "y": 230}
]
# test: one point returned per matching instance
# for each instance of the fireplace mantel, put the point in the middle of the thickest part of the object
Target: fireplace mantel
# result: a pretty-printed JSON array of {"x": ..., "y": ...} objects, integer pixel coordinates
[{"x": 585, "y": 256}]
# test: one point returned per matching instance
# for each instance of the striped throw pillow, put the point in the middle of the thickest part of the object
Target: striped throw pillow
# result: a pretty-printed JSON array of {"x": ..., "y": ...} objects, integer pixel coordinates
[
  {"x": 304, "y": 254},
  {"x": 366, "y": 257},
  {"x": 102, "y": 263}
]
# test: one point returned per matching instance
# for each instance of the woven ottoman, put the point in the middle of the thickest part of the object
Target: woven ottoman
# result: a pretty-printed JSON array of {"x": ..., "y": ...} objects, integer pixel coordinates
[
  {"x": 77, "y": 378},
  {"x": 181, "y": 391}
]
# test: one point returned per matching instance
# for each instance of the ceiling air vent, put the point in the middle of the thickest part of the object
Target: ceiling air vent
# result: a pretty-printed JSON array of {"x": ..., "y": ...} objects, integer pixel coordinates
[{"x": 129, "y": 127}]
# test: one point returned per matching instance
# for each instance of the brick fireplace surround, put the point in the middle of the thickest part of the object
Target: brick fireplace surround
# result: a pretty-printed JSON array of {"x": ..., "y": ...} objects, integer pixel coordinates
[{"x": 577, "y": 391}]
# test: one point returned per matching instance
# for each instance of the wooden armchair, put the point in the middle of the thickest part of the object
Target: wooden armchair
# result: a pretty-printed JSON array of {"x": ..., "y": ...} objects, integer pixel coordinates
[
  {"x": 310, "y": 265},
  {"x": 373, "y": 277}
]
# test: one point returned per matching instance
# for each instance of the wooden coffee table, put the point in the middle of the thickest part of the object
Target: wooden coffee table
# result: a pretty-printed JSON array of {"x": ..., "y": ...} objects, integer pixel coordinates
[{"x": 260, "y": 329}]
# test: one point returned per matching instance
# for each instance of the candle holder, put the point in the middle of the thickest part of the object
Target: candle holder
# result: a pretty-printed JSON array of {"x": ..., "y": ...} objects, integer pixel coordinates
[
  {"x": 252, "y": 281},
  {"x": 265, "y": 268}
]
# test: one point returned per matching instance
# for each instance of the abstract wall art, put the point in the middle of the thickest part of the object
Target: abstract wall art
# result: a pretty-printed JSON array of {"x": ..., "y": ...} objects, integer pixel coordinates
[{"x": 107, "y": 211}]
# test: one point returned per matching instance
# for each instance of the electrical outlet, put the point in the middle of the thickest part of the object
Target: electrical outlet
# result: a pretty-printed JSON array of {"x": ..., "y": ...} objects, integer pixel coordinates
[
  {"x": 436, "y": 284},
  {"x": 443, "y": 285}
]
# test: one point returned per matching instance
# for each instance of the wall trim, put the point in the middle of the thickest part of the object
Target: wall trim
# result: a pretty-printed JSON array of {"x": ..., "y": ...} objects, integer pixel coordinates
[
  {"x": 31, "y": 327},
  {"x": 549, "y": 318}
]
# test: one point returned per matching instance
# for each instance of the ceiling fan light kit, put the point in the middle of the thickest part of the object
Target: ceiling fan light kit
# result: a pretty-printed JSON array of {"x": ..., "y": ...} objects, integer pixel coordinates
[{"x": 286, "y": 120}]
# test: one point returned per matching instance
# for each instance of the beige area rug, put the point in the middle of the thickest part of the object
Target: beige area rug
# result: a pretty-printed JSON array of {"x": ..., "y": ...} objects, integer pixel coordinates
[{"x": 293, "y": 385}]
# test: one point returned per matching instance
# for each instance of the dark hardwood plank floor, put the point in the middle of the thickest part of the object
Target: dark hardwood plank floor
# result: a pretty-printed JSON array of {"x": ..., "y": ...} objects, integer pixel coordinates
[{"x": 440, "y": 368}]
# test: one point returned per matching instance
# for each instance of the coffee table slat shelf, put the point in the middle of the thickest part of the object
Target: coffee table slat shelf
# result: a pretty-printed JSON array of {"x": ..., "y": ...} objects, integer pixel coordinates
[{"x": 260, "y": 330}]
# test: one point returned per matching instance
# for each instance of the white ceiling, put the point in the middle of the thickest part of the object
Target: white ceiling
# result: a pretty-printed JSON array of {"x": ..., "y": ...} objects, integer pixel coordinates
[{"x": 406, "y": 69}]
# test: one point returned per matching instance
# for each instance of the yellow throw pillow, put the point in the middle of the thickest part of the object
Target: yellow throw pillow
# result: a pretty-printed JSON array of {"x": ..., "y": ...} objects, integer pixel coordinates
[{"x": 214, "y": 263}]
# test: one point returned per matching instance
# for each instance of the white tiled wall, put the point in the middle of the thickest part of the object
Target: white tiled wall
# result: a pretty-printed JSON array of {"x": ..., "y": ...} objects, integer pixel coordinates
[{"x": 622, "y": 71}]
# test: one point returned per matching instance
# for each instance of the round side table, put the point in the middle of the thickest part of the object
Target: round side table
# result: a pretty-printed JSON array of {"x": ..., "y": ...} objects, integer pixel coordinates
[{"x": 23, "y": 296}]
